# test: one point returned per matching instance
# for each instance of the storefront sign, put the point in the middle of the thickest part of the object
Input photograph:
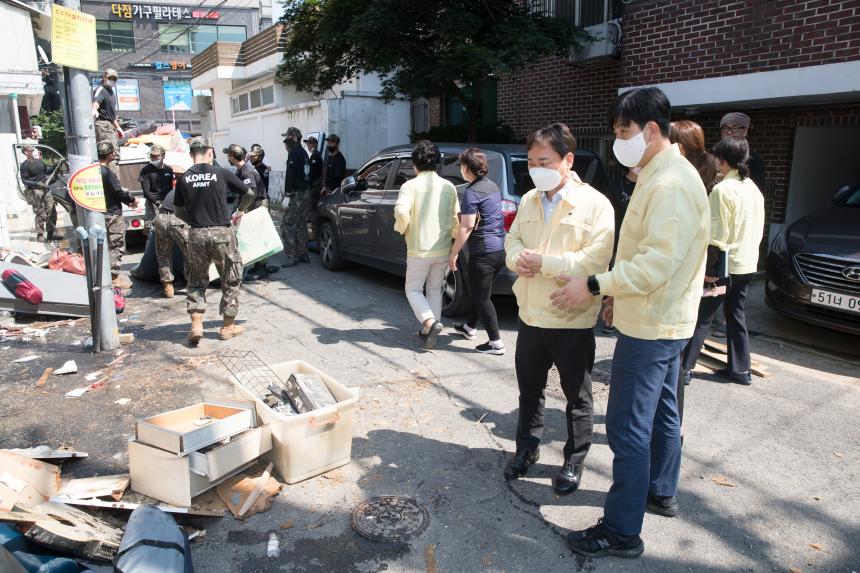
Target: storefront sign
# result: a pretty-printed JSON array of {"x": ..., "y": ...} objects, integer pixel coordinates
[
  {"x": 85, "y": 187},
  {"x": 178, "y": 96},
  {"x": 152, "y": 12},
  {"x": 127, "y": 95},
  {"x": 73, "y": 38}
]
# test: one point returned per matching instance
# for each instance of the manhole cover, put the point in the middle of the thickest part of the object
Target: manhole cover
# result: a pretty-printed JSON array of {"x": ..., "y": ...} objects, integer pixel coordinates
[{"x": 389, "y": 518}]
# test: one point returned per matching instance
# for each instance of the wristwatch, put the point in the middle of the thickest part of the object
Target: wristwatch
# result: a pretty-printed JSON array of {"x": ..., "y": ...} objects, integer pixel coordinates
[{"x": 593, "y": 285}]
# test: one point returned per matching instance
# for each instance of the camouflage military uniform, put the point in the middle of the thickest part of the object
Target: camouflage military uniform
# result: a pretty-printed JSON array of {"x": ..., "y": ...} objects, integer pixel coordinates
[
  {"x": 294, "y": 226},
  {"x": 106, "y": 131},
  {"x": 170, "y": 230},
  {"x": 213, "y": 245},
  {"x": 116, "y": 241},
  {"x": 43, "y": 207}
]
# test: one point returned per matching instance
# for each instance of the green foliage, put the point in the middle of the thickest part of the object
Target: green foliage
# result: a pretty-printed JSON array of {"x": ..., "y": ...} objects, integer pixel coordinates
[
  {"x": 53, "y": 130},
  {"x": 498, "y": 132},
  {"x": 418, "y": 49}
]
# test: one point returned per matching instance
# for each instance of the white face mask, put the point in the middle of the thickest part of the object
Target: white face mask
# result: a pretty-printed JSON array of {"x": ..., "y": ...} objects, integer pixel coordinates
[
  {"x": 629, "y": 152},
  {"x": 545, "y": 179},
  {"x": 157, "y": 163},
  {"x": 110, "y": 83}
]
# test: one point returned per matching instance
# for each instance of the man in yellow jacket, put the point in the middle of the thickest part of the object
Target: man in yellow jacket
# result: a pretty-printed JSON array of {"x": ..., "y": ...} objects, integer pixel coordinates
[
  {"x": 655, "y": 286},
  {"x": 426, "y": 214},
  {"x": 563, "y": 227}
]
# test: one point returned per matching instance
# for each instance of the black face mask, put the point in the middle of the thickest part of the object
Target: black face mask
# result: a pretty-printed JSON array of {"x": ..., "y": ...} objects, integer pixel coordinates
[{"x": 331, "y": 148}]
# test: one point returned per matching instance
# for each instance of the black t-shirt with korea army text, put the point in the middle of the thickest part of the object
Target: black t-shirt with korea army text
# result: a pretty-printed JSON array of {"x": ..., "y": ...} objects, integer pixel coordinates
[{"x": 202, "y": 191}]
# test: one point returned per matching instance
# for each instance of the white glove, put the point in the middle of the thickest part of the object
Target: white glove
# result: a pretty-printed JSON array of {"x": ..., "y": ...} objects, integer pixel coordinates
[{"x": 286, "y": 202}]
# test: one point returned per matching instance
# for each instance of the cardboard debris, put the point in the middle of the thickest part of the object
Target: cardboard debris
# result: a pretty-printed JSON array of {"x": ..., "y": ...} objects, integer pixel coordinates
[
  {"x": 99, "y": 486},
  {"x": 69, "y": 367},
  {"x": 236, "y": 491},
  {"x": 102, "y": 504},
  {"x": 126, "y": 338},
  {"x": 77, "y": 392},
  {"x": 26, "y": 480},
  {"x": 48, "y": 453},
  {"x": 68, "y": 530}
]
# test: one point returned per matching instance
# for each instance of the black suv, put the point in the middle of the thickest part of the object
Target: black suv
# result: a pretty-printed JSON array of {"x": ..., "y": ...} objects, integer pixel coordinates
[
  {"x": 813, "y": 268},
  {"x": 356, "y": 221}
]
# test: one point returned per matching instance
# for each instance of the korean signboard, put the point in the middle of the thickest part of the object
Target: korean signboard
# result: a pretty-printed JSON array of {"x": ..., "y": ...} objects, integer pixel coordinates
[
  {"x": 178, "y": 96},
  {"x": 73, "y": 38},
  {"x": 153, "y": 12},
  {"x": 85, "y": 187},
  {"x": 127, "y": 95}
]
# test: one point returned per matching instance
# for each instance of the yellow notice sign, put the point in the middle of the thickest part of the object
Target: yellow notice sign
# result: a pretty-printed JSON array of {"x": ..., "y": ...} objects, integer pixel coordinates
[
  {"x": 73, "y": 39},
  {"x": 85, "y": 188}
]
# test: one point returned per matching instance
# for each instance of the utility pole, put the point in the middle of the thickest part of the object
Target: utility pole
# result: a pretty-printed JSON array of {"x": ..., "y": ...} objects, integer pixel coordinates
[{"x": 81, "y": 145}]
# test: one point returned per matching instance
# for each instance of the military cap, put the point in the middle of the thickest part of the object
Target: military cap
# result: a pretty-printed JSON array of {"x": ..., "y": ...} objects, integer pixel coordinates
[
  {"x": 198, "y": 143},
  {"x": 293, "y": 132},
  {"x": 333, "y": 137},
  {"x": 311, "y": 139},
  {"x": 235, "y": 151},
  {"x": 104, "y": 148}
]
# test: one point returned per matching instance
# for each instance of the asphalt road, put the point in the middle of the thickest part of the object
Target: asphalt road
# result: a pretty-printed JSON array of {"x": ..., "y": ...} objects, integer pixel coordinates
[{"x": 769, "y": 479}]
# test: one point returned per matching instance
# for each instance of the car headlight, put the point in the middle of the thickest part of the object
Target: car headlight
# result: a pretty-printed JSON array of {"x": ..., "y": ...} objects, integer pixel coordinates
[{"x": 779, "y": 247}]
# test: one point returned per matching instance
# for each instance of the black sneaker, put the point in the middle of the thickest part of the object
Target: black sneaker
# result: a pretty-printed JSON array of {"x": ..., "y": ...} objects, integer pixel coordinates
[
  {"x": 666, "y": 506},
  {"x": 488, "y": 348},
  {"x": 461, "y": 330},
  {"x": 599, "y": 541}
]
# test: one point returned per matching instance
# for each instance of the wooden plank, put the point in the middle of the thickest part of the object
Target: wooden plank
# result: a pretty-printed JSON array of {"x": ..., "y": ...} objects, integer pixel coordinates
[
  {"x": 99, "y": 486},
  {"x": 46, "y": 453},
  {"x": 715, "y": 346},
  {"x": 24, "y": 479},
  {"x": 100, "y": 503},
  {"x": 44, "y": 377}
]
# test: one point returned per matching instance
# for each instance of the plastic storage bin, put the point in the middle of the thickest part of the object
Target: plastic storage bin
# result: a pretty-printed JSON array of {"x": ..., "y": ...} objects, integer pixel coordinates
[{"x": 306, "y": 445}]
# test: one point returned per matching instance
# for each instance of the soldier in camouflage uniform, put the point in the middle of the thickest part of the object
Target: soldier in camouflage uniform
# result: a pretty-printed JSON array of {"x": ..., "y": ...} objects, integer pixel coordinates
[
  {"x": 34, "y": 175},
  {"x": 170, "y": 232},
  {"x": 104, "y": 113},
  {"x": 200, "y": 200},
  {"x": 115, "y": 196},
  {"x": 294, "y": 225}
]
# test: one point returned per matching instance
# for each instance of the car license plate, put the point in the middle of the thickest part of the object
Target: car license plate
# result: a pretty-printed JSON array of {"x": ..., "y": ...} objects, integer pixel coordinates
[{"x": 835, "y": 300}]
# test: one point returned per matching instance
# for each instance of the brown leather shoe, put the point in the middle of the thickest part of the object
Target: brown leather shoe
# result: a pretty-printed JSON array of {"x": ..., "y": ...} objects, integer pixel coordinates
[{"x": 230, "y": 328}]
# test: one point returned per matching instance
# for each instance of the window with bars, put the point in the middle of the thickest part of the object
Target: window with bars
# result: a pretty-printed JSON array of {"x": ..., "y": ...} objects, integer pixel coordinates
[
  {"x": 114, "y": 36},
  {"x": 582, "y": 13}
]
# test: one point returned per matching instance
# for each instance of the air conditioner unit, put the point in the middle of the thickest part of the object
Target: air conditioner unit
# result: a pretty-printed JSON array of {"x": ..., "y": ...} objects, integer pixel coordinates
[
  {"x": 202, "y": 104},
  {"x": 607, "y": 38}
]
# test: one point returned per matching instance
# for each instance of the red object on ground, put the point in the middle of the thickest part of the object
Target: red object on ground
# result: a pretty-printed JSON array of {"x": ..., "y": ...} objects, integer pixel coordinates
[
  {"x": 69, "y": 262},
  {"x": 118, "y": 300},
  {"x": 21, "y": 287}
]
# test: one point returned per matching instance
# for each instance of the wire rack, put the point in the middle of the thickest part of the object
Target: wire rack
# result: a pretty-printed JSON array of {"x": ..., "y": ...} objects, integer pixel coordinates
[{"x": 251, "y": 372}]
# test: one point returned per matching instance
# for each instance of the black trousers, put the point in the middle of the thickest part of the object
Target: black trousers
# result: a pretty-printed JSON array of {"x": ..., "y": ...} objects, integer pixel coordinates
[
  {"x": 737, "y": 335},
  {"x": 483, "y": 268},
  {"x": 572, "y": 351}
]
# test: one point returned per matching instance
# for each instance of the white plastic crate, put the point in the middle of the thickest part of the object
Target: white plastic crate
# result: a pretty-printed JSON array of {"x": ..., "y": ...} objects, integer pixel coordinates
[{"x": 306, "y": 445}]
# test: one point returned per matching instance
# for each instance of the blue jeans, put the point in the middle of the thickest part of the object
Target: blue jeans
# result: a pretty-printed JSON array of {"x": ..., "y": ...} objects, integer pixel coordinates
[{"x": 643, "y": 428}]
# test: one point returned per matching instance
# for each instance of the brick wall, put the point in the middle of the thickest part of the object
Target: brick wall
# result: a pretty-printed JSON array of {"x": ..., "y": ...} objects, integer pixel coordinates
[
  {"x": 556, "y": 90},
  {"x": 674, "y": 40}
]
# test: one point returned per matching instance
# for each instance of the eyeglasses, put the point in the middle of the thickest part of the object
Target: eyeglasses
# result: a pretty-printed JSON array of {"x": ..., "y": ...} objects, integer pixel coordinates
[
  {"x": 155, "y": 157},
  {"x": 732, "y": 129}
]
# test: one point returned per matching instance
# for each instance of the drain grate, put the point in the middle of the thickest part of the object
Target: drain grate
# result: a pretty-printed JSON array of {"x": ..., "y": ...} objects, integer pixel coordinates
[{"x": 389, "y": 519}]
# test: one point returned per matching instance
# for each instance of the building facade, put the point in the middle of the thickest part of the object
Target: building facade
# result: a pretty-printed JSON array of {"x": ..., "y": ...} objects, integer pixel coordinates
[
  {"x": 151, "y": 46},
  {"x": 791, "y": 66},
  {"x": 247, "y": 105}
]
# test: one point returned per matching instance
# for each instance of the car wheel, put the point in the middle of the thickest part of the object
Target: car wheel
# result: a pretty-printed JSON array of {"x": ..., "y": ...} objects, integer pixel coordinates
[
  {"x": 329, "y": 247},
  {"x": 455, "y": 300}
]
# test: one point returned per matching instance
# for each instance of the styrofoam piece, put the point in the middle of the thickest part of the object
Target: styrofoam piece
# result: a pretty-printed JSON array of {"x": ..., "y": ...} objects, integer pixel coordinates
[{"x": 70, "y": 367}]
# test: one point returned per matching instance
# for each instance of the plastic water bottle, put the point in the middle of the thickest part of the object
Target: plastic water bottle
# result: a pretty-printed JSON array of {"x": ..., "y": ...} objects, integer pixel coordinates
[{"x": 273, "y": 549}]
